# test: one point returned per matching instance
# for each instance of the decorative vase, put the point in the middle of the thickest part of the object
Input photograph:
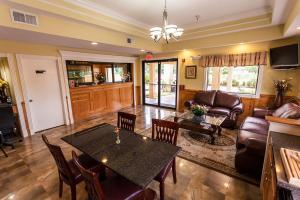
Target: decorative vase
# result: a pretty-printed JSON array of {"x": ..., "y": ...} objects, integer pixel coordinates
[
  {"x": 198, "y": 118},
  {"x": 279, "y": 98},
  {"x": 118, "y": 141}
]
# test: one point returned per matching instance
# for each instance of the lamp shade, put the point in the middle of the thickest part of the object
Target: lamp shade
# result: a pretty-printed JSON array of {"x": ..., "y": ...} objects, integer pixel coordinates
[
  {"x": 178, "y": 32},
  {"x": 170, "y": 29}
]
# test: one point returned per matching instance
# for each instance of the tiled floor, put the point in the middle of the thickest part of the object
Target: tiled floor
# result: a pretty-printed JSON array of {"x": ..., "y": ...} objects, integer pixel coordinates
[{"x": 30, "y": 172}]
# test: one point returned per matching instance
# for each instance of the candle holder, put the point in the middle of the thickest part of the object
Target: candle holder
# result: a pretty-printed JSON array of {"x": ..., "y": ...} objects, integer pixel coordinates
[{"x": 117, "y": 132}]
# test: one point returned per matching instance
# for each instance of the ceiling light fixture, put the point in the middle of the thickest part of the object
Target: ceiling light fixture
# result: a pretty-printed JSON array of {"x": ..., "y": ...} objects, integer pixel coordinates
[
  {"x": 168, "y": 31},
  {"x": 94, "y": 43},
  {"x": 298, "y": 28},
  {"x": 142, "y": 50}
]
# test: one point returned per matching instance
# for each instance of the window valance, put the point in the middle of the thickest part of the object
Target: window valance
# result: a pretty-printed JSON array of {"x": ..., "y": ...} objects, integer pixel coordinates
[{"x": 233, "y": 60}]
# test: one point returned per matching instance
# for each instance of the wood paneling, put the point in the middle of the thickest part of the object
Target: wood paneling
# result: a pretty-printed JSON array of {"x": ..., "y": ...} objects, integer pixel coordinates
[
  {"x": 263, "y": 101},
  {"x": 138, "y": 95},
  {"x": 269, "y": 176},
  {"x": 126, "y": 97},
  {"x": 295, "y": 122},
  {"x": 113, "y": 98},
  {"x": 99, "y": 103},
  {"x": 93, "y": 100}
]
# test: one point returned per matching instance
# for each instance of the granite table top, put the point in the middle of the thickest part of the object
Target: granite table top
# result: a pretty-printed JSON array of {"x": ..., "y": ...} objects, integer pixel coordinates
[
  {"x": 281, "y": 140},
  {"x": 136, "y": 158}
]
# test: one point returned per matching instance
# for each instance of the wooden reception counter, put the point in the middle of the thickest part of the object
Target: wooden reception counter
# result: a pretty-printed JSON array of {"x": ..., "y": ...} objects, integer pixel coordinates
[{"x": 92, "y": 100}]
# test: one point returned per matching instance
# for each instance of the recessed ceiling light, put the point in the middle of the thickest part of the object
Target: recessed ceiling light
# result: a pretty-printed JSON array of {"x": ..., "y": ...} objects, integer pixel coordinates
[
  {"x": 298, "y": 28},
  {"x": 94, "y": 43},
  {"x": 242, "y": 43},
  {"x": 142, "y": 50}
]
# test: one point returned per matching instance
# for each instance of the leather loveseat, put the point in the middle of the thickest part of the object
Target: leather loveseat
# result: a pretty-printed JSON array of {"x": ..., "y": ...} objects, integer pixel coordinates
[
  {"x": 219, "y": 103},
  {"x": 252, "y": 137}
]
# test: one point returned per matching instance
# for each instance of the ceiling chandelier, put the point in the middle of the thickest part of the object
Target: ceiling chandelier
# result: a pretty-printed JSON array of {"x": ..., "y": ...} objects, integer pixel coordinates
[{"x": 168, "y": 31}]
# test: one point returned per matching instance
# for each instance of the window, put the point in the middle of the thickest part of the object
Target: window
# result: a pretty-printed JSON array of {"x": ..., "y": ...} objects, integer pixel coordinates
[
  {"x": 108, "y": 74},
  {"x": 241, "y": 80},
  {"x": 119, "y": 71}
]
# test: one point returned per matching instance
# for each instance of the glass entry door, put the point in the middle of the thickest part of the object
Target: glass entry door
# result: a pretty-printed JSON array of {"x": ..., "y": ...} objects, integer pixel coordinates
[{"x": 160, "y": 83}]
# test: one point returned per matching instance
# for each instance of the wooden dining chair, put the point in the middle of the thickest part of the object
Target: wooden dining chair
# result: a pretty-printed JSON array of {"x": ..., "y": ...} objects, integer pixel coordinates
[
  {"x": 165, "y": 131},
  {"x": 114, "y": 188},
  {"x": 126, "y": 121},
  {"x": 67, "y": 170}
]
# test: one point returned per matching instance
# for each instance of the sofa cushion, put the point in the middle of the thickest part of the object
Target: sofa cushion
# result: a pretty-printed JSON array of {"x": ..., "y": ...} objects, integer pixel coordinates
[
  {"x": 288, "y": 110},
  {"x": 226, "y": 100},
  {"x": 205, "y": 97},
  {"x": 244, "y": 135},
  {"x": 255, "y": 125},
  {"x": 219, "y": 111}
]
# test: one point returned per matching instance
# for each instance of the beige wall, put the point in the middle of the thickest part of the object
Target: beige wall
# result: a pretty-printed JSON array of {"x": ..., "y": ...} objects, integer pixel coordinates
[
  {"x": 70, "y": 28},
  {"x": 268, "y": 74}
]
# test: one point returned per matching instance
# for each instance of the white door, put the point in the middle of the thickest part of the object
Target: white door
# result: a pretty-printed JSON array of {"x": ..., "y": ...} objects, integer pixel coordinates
[{"x": 41, "y": 81}]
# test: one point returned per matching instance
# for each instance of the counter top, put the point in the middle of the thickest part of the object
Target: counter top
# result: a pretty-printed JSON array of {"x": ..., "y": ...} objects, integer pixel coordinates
[
  {"x": 104, "y": 85},
  {"x": 281, "y": 140}
]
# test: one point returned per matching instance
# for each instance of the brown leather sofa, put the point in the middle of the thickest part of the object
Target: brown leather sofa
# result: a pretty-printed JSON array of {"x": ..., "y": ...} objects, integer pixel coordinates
[
  {"x": 252, "y": 137},
  {"x": 219, "y": 103}
]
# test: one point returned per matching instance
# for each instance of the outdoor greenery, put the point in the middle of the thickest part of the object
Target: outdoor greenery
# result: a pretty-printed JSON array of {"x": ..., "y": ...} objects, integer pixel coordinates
[{"x": 243, "y": 79}]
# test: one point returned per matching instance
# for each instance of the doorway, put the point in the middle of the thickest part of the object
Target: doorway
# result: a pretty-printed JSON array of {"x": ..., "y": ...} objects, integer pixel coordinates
[
  {"x": 160, "y": 83},
  {"x": 40, "y": 80}
]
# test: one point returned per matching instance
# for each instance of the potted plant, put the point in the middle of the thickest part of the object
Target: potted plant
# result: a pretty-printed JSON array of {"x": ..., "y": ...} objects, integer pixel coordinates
[
  {"x": 198, "y": 111},
  {"x": 281, "y": 86},
  {"x": 101, "y": 78}
]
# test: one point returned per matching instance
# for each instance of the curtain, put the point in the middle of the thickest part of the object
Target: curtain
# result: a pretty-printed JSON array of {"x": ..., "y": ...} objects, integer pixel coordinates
[{"x": 234, "y": 60}]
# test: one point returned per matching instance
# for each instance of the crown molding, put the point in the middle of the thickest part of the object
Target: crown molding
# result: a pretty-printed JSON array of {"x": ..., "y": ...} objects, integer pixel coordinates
[
  {"x": 232, "y": 18},
  {"x": 229, "y": 27},
  {"x": 64, "y": 9},
  {"x": 108, "y": 12}
]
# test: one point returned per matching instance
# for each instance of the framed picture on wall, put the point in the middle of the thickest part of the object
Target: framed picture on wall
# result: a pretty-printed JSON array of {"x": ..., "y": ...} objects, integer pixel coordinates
[{"x": 191, "y": 72}]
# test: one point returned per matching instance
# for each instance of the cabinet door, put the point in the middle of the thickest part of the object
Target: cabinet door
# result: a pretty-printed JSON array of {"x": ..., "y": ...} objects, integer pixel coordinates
[
  {"x": 126, "y": 96},
  {"x": 99, "y": 100},
  {"x": 113, "y": 99},
  {"x": 269, "y": 177},
  {"x": 81, "y": 106}
]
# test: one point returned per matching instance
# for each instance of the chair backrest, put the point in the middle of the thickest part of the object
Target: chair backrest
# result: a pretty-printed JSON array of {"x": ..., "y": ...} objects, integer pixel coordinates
[
  {"x": 91, "y": 179},
  {"x": 165, "y": 131},
  {"x": 60, "y": 159},
  {"x": 7, "y": 119},
  {"x": 126, "y": 121}
]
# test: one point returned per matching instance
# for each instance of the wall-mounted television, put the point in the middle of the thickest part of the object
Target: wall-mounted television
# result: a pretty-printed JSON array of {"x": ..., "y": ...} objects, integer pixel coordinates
[{"x": 285, "y": 57}]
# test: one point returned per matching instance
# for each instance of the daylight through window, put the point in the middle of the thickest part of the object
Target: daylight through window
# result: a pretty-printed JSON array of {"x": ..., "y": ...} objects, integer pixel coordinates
[{"x": 241, "y": 80}]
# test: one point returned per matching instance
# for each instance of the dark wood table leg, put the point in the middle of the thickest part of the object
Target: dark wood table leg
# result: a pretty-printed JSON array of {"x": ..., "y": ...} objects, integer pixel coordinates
[
  {"x": 176, "y": 119},
  {"x": 219, "y": 130},
  {"x": 212, "y": 139}
]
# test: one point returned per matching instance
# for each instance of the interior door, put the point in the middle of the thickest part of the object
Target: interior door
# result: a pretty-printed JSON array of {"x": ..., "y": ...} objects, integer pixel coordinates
[
  {"x": 41, "y": 79},
  {"x": 160, "y": 83}
]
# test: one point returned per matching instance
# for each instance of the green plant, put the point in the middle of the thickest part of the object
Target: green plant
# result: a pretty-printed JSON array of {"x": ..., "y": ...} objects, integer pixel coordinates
[{"x": 198, "y": 110}]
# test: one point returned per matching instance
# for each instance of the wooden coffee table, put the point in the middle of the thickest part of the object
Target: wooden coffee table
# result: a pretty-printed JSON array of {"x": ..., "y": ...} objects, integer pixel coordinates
[{"x": 209, "y": 124}]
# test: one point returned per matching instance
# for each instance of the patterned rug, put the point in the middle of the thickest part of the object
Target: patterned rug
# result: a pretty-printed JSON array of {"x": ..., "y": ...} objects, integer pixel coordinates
[{"x": 219, "y": 157}]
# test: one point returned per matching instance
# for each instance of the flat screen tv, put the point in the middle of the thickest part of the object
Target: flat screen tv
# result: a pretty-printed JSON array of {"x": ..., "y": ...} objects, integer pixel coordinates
[{"x": 286, "y": 57}]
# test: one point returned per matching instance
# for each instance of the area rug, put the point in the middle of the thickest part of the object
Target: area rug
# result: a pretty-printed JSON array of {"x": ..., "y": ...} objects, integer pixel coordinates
[{"x": 219, "y": 157}]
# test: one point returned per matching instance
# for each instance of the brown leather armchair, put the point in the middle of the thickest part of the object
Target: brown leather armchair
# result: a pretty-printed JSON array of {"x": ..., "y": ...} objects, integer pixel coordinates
[
  {"x": 252, "y": 137},
  {"x": 219, "y": 103},
  {"x": 251, "y": 142}
]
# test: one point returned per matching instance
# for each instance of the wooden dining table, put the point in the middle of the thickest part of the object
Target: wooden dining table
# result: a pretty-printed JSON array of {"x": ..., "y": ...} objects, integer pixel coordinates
[{"x": 137, "y": 158}]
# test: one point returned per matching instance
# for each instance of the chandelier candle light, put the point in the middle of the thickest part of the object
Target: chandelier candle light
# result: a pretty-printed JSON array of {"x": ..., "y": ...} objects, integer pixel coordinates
[{"x": 168, "y": 31}]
